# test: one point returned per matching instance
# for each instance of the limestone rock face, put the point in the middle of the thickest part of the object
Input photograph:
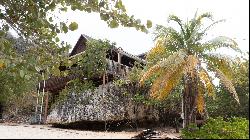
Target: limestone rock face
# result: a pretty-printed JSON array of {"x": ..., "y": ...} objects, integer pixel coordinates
[{"x": 108, "y": 103}]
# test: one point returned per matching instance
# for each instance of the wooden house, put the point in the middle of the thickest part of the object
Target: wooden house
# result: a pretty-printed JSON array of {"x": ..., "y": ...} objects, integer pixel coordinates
[{"x": 119, "y": 63}]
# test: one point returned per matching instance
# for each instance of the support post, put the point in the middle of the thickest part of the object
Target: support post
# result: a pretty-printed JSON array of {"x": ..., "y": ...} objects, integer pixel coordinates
[
  {"x": 46, "y": 107},
  {"x": 119, "y": 61},
  {"x": 103, "y": 80}
]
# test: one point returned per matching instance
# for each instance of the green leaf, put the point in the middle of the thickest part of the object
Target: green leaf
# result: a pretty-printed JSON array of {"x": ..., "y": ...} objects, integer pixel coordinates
[
  {"x": 57, "y": 30},
  {"x": 64, "y": 9},
  {"x": 27, "y": 77},
  {"x": 1, "y": 15},
  {"x": 6, "y": 27},
  {"x": 57, "y": 39},
  {"x": 50, "y": 19},
  {"x": 73, "y": 7},
  {"x": 113, "y": 24},
  {"x": 37, "y": 68},
  {"x": 149, "y": 24},
  {"x": 101, "y": 4},
  {"x": 88, "y": 10},
  {"x": 104, "y": 16},
  {"x": 73, "y": 26},
  {"x": 2, "y": 33},
  {"x": 118, "y": 4},
  {"x": 55, "y": 71},
  {"x": 21, "y": 72},
  {"x": 69, "y": 63},
  {"x": 64, "y": 28}
]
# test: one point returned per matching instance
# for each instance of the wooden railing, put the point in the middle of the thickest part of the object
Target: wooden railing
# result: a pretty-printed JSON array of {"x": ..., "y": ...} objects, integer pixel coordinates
[{"x": 117, "y": 68}]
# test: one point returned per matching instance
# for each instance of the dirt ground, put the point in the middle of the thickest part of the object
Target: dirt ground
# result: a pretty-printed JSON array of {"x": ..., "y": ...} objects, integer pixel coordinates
[{"x": 19, "y": 131}]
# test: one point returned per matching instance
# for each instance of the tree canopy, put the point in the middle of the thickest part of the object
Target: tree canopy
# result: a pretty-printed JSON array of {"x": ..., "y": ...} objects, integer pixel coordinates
[{"x": 37, "y": 24}]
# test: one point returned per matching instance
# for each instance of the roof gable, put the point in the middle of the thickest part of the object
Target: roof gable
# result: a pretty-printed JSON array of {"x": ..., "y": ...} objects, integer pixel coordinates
[{"x": 80, "y": 45}]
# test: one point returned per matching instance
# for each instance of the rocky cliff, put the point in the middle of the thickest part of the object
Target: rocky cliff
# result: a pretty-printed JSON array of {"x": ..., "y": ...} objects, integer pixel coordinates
[{"x": 108, "y": 103}]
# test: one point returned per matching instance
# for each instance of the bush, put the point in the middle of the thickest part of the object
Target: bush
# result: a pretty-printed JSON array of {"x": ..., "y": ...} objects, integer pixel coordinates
[{"x": 219, "y": 128}]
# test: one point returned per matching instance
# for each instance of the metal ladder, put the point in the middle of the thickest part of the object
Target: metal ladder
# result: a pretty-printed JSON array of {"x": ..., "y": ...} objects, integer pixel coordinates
[{"x": 39, "y": 105}]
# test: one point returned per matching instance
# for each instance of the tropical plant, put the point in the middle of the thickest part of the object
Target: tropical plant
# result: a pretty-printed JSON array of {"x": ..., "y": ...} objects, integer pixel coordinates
[
  {"x": 185, "y": 52},
  {"x": 224, "y": 105},
  {"x": 93, "y": 61},
  {"x": 219, "y": 128}
]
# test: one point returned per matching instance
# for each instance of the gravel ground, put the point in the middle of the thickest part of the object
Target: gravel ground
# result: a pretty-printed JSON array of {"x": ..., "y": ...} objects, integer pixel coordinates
[{"x": 19, "y": 131}]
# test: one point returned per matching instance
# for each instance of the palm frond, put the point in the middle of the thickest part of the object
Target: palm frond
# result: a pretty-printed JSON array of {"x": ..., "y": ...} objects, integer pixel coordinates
[
  {"x": 171, "y": 38},
  {"x": 168, "y": 82},
  {"x": 228, "y": 84},
  {"x": 176, "y": 19},
  {"x": 204, "y": 15},
  {"x": 211, "y": 25},
  {"x": 149, "y": 73},
  {"x": 194, "y": 27},
  {"x": 157, "y": 53},
  {"x": 222, "y": 62},
  {"x": 220, "y": 42},
  {"x": 157, "y": 84},
  {"x": 196, "y": 21},
  {"x": 166, "y": 64},
  {"x": 206, "y": 80},
  {"x": 200, "y": 99}
]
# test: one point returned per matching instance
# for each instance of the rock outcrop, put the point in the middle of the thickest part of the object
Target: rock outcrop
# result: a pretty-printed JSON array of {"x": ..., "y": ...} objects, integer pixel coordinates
[{"x": 108, "y": 103}]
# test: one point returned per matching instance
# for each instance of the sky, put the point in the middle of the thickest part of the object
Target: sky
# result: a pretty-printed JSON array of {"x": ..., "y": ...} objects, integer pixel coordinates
[{"x": 235, "y": 12}]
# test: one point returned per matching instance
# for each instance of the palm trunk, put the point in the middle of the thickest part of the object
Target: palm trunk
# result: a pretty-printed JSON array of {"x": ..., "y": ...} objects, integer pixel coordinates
[{"x": 189, "y": 97}]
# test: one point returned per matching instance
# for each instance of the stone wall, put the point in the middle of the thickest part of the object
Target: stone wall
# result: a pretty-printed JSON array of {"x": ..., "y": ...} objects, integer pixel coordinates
[{"x": 108, "y": 103}]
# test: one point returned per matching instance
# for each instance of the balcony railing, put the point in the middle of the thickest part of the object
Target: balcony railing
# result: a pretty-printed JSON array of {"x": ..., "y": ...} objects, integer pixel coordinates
[{"x": 117, "y": 68}]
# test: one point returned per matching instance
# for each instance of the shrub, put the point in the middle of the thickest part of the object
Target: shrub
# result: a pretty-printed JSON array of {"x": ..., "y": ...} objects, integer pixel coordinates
[{"x": 219, "y": 128}]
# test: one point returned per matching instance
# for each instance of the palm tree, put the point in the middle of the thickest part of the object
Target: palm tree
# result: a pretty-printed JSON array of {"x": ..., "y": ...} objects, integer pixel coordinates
[{"x": 184, "y": 53}]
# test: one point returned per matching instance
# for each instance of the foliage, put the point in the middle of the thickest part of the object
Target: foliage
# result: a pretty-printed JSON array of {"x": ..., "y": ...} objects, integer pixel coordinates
[
  {"x": 184, "y": 52},
  {"x": 140, "y": 94},
  {"x": 75, "y": 86},
  {"x": 20, "y": 107},
  {"x": 233, "y": 128},
  {"x": 223, "y": 105},
  {"x": 16, "y": 71},
  {"x": 119, "y": 82},
  {"x": 135, "y": 73},
  {"x": 90, "y": 64},
  {"x": 35, "y": 18},
  {"x": 37, "y": 24},
  {"x": 156, "y": 54},
  {"x": 79, "y": 86},
  {"x": 93, "y": 61}
]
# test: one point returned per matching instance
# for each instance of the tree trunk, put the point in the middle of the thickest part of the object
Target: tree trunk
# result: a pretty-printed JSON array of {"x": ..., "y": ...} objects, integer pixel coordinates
[{"x": 189, "y": 97}]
